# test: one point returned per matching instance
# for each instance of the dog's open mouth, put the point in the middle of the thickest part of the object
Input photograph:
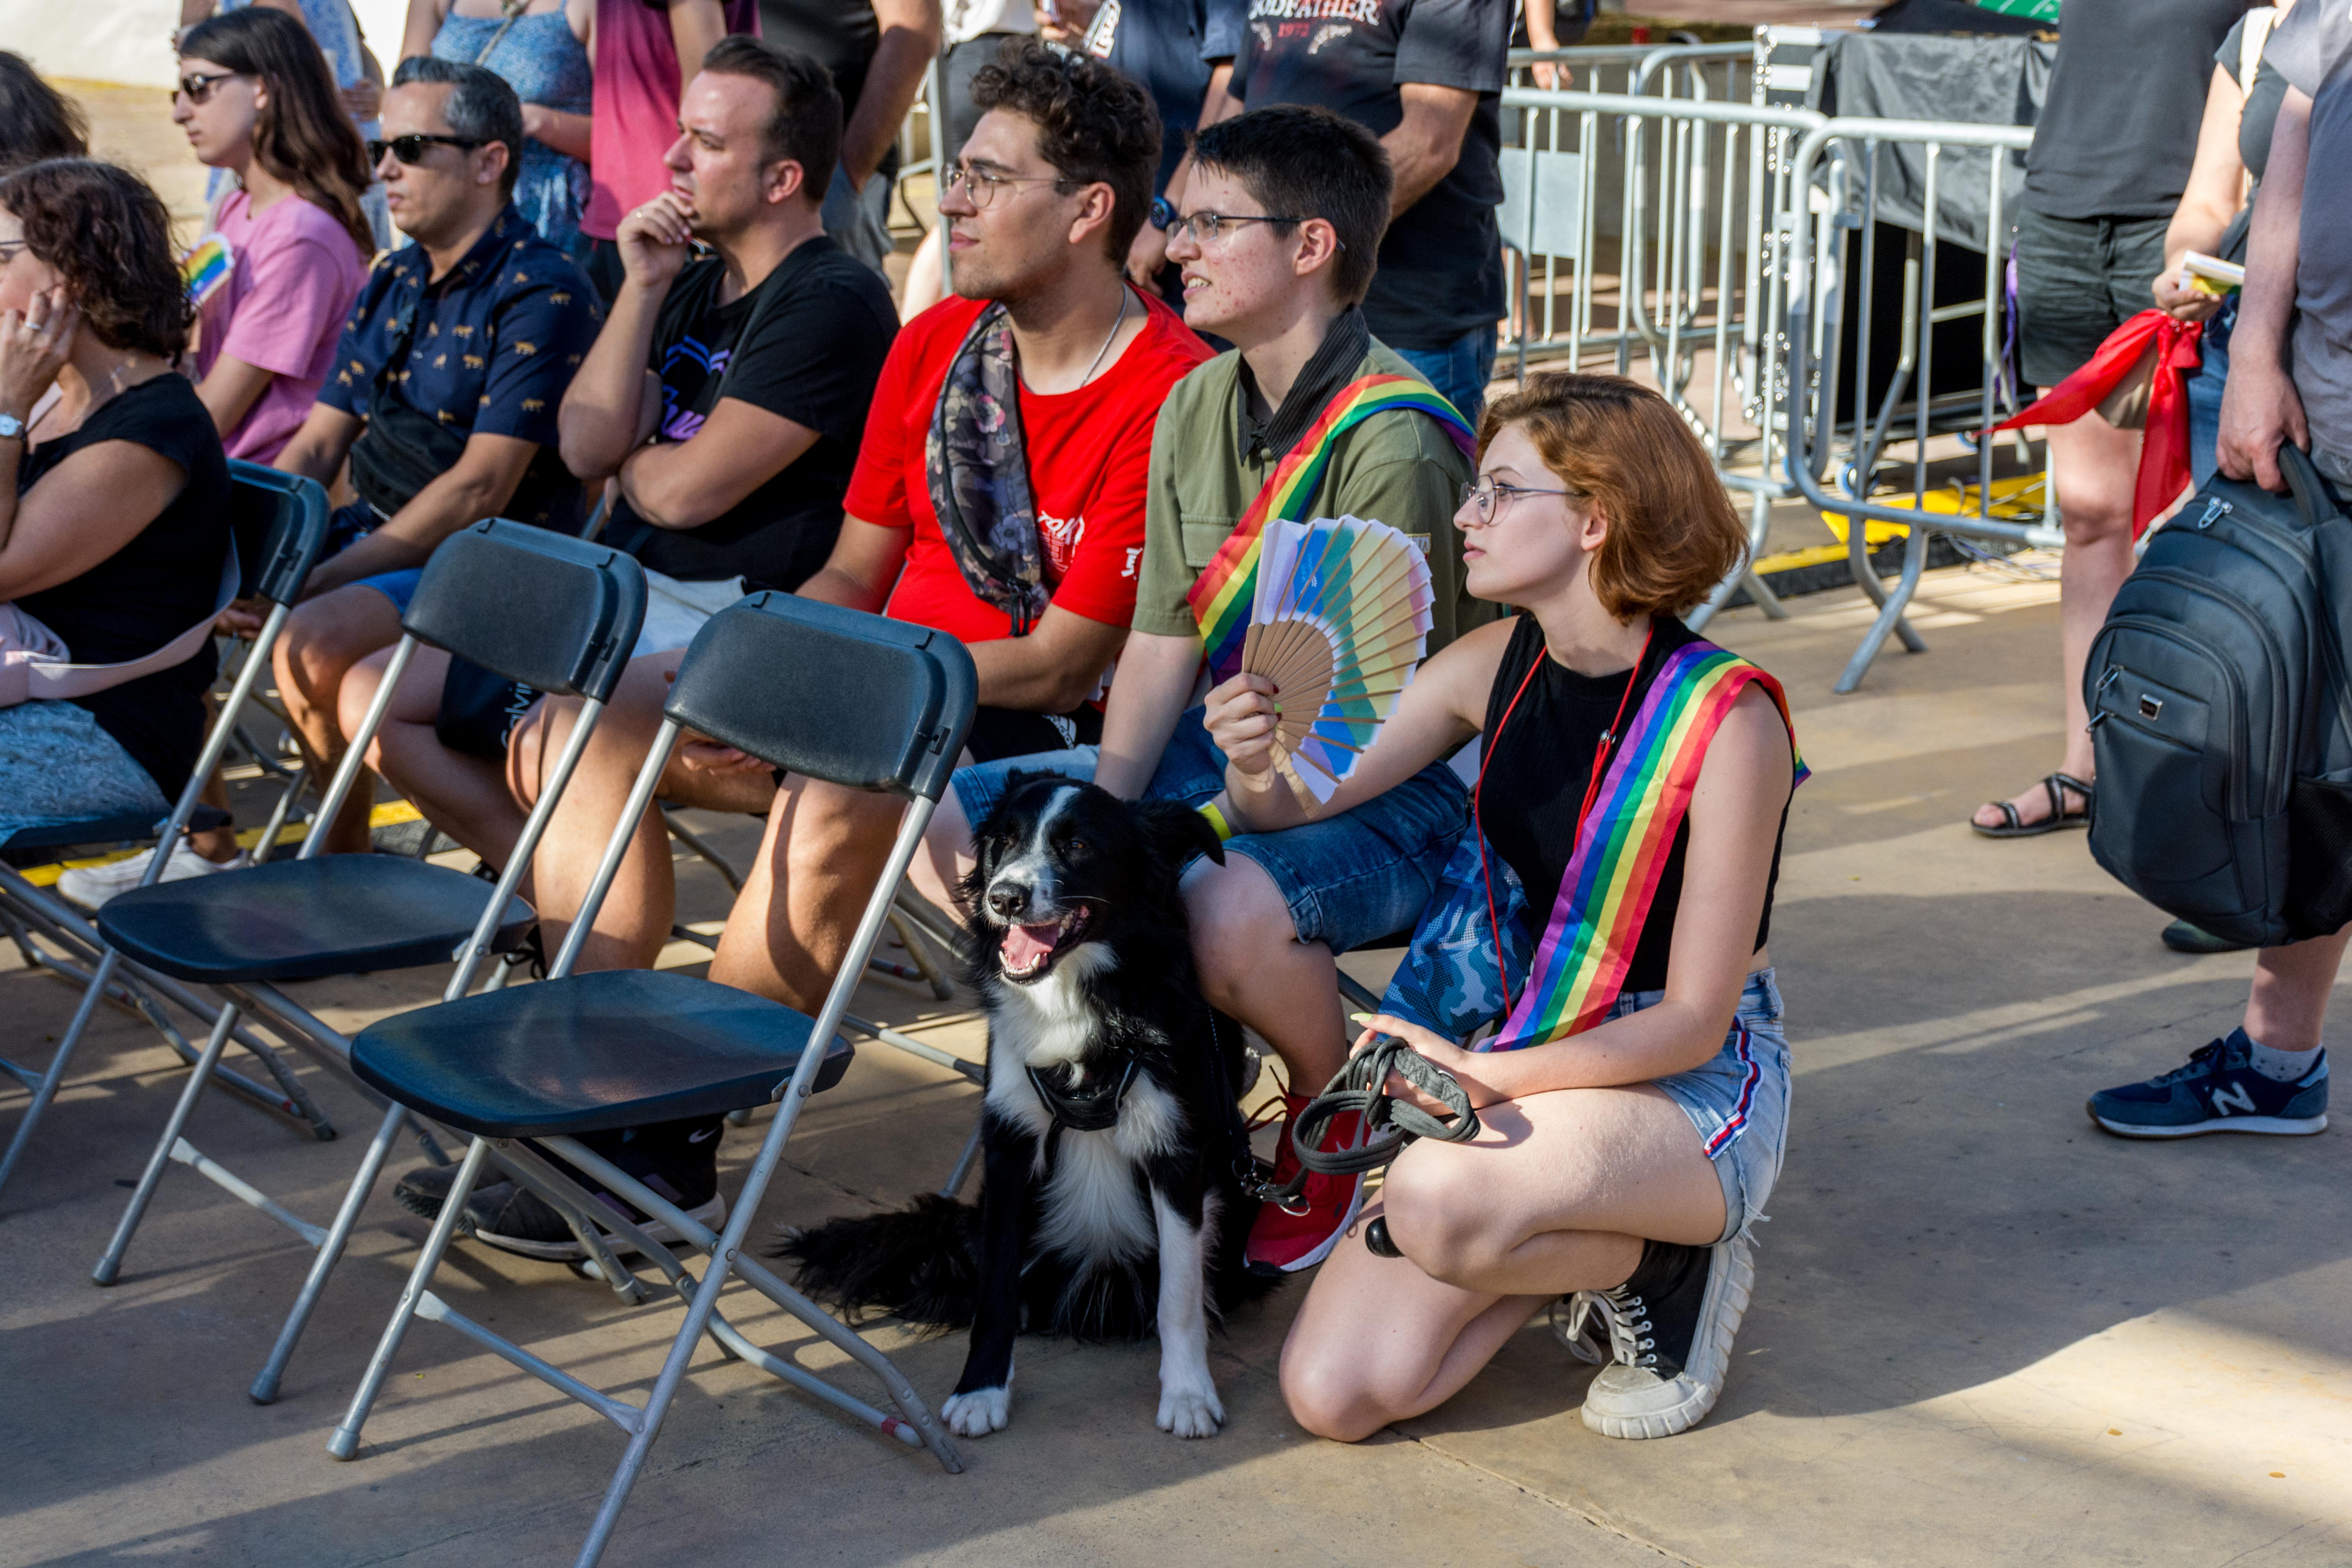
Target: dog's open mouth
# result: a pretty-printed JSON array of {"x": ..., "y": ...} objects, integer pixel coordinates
[{"x": 1027, "y": 951}]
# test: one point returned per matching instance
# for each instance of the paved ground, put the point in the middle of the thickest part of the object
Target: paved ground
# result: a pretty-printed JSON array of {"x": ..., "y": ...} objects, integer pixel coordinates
[{"x": 1983, "y": 1333}]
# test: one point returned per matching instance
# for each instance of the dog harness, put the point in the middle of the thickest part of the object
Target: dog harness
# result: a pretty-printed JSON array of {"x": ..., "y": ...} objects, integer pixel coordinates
[{"x": 1094, "y": 1108}]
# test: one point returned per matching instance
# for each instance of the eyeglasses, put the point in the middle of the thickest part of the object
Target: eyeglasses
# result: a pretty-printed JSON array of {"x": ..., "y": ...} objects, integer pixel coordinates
[
  {"x": 197, "y": 88},
  {"x": 1206, "y": 226},
  {"x": 979, "y": 186},
  {"x": 1490, "y": 497},
  {"x": 9, "y": 248},
  {"x": 410, "y": 149}
]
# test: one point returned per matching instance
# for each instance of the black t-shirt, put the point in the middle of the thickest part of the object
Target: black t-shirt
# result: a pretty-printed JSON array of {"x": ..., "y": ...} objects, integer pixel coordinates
[
  {"x": 156, "y": 586},
  {"x": 1537, "y": 770},
  {"x": 2118, "y": 129},
  {"x": 839, "y": 35},
  {"x": 814, "y": 357},
  {"x": 1442, "y": 262}
]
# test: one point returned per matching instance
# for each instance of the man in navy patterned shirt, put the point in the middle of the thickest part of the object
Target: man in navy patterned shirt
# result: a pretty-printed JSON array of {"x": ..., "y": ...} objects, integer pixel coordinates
[{"x": 445, "y": 391}]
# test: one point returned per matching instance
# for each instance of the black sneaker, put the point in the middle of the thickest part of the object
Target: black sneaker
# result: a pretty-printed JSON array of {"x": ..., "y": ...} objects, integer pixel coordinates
[
  {"x": 1669, "y": 1329},
  {"x": 424, "y": 1191},
  {"x": 2218, "y": 1091},
  {"x": 2182, "y": 937},
  {"x": 677, "y": 1159}
]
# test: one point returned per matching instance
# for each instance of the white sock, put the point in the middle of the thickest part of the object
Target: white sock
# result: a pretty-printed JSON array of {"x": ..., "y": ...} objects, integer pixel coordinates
[{"x": 2285, "y": 1066}]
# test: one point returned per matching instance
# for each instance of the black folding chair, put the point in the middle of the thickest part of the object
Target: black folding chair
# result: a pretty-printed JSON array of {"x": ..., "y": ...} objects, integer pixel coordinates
[
  {"x": 278, "y": 526},
  {"x": 534, "y": 606},
  {"x": 873, "y": 704}
]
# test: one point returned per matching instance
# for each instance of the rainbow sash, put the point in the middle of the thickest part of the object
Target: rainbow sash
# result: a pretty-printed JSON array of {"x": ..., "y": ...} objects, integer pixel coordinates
[
  {"x": 1222, "y": 593},
  {"x": 1611, "y": 879}
]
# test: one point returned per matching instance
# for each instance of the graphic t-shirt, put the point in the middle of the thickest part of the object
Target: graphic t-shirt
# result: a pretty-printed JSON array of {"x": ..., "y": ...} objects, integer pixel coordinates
[
  {"x": 1442, "y": 260},
  {"x": 813, "y": 358},
  {"x": 281, "y": 309},
  {"x": 634, "y": 111},
  {"x": 1089, "y": 458}
]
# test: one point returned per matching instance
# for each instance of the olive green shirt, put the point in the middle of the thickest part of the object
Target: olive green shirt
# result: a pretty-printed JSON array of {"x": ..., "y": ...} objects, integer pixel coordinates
[{"x": 1400, "y": 467}]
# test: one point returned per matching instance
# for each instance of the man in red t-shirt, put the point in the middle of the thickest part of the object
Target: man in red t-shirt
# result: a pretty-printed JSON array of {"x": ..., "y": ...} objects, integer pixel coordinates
[{"x": 1036, "y": 570}]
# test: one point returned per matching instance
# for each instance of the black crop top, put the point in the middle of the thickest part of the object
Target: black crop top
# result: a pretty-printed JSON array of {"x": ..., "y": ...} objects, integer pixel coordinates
[{"x": 1536, "y": 775}]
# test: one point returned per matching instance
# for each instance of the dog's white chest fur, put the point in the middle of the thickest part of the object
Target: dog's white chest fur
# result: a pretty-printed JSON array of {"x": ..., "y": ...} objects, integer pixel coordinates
[{"x": 1095, "y": 1207}]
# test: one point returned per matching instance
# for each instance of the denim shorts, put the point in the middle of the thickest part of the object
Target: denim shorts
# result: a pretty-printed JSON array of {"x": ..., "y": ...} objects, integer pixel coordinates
[
  {"x": 1349, "y": 881},
  {"x": 1738, "y": 1102},
  {"x": 354, "y": 522}
]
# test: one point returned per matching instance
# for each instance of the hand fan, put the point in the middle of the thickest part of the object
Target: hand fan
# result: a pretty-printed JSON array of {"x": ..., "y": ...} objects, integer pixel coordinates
[{"x": 1340, "y": 620}]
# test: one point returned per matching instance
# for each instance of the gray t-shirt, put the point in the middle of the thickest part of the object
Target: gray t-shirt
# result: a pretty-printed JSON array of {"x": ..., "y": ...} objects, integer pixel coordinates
[{"x": 2311, "y": 48}]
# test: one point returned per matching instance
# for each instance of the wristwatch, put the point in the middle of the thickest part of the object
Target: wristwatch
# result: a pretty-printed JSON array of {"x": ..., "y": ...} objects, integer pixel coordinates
[
  {"x": 1163, "y": 217},
  {"x": 11, "y": 427}
]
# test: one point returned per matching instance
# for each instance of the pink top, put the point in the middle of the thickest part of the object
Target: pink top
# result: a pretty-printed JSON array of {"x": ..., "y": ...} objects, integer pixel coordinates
[
  {"x": 634, "y": 109},
  {"x": 281, "y": 309}
]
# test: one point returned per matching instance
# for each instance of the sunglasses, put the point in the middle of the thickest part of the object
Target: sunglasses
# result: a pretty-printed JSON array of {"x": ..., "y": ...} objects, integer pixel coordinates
[
  {"x": 197, "y": 88},
  {"x": 410, "y": 149}
]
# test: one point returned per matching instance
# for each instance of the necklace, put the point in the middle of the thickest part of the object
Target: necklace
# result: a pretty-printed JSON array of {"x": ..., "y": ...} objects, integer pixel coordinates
[{"x": 1118, "y": 321}]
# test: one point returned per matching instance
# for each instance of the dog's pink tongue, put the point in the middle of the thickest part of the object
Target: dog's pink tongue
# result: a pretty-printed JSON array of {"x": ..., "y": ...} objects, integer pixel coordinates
[{"x": 1026, "y": 947}]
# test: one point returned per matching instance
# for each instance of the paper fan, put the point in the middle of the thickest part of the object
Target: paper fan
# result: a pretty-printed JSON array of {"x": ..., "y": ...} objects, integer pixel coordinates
[{"x": 1340, "y": 620}]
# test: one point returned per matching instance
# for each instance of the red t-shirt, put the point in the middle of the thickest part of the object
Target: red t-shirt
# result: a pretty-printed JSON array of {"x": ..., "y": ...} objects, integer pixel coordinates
[{"x": 1089, "y": 455}]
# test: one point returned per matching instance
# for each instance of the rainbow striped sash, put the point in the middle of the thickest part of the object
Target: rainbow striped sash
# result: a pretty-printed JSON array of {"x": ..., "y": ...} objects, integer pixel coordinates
[
  {"x": 1222, "y": 595},
  {"x": 1605, "y": 896}
]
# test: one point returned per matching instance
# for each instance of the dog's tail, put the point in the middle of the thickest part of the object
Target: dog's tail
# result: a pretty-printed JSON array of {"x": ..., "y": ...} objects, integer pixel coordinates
[{"x": 920, "y": 1263}]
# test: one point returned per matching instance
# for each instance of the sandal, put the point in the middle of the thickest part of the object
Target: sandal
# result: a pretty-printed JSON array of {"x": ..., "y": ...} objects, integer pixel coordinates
[{"x": 2057, "y": 785}]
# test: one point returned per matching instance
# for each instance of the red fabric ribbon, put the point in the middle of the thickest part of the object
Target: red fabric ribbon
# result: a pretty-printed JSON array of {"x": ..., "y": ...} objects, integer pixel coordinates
[{"x": 2164, "y": 447}]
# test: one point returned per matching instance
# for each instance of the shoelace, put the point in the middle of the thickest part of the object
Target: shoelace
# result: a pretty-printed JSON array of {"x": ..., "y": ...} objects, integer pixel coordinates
[
  {"x": 2198, "y": 1060},
  {"x": 1388, "y": 1124},
  {"x": 1624, "y": 1316}
]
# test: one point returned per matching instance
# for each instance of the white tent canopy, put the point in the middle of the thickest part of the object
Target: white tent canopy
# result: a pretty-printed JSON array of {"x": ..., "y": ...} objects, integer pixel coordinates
[{"x": 128, "y": 42}]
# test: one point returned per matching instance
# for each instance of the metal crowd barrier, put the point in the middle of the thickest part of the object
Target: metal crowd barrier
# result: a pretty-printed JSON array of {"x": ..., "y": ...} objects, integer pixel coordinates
[{"x": 1730, "y": 246}]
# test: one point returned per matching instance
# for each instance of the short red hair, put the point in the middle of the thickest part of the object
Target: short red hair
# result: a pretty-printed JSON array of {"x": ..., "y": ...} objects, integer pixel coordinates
[{"x": 1672, "y": 534}]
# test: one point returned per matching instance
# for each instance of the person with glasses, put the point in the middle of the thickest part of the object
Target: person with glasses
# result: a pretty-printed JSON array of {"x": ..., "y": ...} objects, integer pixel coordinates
[
  {"x": 1593, "y": 972},
  {"x": 1278, "y": 242},
  {"x": 446, "y": 386}
]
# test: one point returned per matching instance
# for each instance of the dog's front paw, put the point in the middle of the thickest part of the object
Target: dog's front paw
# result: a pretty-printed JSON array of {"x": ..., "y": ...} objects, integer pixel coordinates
[
  {"x": 986, "y": 1410},
  {"x": 1190, "y": 1412}
]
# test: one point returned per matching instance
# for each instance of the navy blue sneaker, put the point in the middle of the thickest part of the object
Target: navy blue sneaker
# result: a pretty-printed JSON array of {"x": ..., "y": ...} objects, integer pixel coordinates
[{"x": 2218, "y": 1091}]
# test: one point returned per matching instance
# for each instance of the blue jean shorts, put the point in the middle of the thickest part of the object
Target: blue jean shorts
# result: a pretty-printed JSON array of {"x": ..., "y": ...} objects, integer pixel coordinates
[
  {"x": 1738, "y": 1102},
  {"x": 354, "y": 522},
  {"x": 1349, "y": 881}
]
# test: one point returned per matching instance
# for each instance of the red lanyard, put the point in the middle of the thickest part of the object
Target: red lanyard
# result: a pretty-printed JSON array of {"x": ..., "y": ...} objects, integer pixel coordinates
[{"x": 1600, "y": 755}]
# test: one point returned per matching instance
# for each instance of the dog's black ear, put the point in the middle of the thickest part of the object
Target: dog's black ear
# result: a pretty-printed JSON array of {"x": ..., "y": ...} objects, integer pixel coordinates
[{"x": 1179, "y": 831}]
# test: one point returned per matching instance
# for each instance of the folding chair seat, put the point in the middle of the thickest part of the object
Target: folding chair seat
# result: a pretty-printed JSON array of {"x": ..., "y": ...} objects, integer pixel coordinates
[
  {"x": 624, "y": 1047},
  {"x": 298, "y": 920},
  {"x": 277, "y": 523},
  {"x": 537, "y": 607},
  {"x": 874, "y": 704}
]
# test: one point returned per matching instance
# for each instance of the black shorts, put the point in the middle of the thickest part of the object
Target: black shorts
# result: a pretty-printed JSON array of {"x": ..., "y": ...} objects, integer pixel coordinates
[{"x": 2077, "y": 280}]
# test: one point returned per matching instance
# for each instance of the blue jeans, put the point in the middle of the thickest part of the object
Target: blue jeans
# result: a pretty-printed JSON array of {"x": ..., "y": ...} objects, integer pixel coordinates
[
  {"x": 2204, "y": 386},
  {"x": 1347, "y": 881},
  {"x": 1460, "y": 370},
  {"x": 1737, "y": 1099}
]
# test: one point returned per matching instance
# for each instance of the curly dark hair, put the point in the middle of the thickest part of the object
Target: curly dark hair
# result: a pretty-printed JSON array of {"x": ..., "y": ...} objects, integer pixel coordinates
[
  {"x": 108, "y": 234},
  {"x": 36, "y": 120},
  {"x": 1093, "y": 125},
  {"x": 303, "y": 137}
]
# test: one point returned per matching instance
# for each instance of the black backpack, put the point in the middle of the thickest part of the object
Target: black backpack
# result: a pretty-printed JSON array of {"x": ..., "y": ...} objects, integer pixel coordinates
[{"x": 2221, "y": 714}]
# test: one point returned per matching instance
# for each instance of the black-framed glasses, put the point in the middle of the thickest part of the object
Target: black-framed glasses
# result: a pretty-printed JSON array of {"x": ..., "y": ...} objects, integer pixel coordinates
[
  {"x": 410, "y": 149},
  {"x": 1489, "y": 496},
  {"x": 1206, "y": 227},
  {"x": 979, "y": 186},
  {"x": 9, "y": 248},
  {"x": 197, "y": 88}
]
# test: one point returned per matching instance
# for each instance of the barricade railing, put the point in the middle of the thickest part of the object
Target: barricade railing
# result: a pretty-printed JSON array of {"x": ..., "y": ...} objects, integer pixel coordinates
[{"x": 1857, "y": 169}]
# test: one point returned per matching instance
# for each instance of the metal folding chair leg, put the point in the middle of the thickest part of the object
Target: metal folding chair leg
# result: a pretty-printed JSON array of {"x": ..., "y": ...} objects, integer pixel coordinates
[{"x": 330, "y": 1251}]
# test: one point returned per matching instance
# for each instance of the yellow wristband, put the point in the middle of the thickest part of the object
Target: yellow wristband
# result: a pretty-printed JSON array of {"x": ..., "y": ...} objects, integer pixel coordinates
[{"x": 1224, "y": 830}]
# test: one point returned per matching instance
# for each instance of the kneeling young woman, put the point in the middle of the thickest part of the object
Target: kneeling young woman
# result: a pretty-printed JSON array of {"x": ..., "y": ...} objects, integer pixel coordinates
[{"x": 1625, "y": 839}]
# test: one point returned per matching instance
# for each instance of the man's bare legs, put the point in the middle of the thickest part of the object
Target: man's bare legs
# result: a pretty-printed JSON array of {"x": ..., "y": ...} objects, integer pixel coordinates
[
  {"x": 2291, "y": 986},
  {"x": 638, "y": 910},
  {"x": 1554, "y": 1194},
  {"x": 825, "y": 849},
  {"x": 463, "y": 796},
  {"x": 323, "y": 639},
  {"x": 2095, "y": 467}
]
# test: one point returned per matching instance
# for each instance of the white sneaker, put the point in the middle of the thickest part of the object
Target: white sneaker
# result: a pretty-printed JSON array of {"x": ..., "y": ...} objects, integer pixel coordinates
[{"x": 91, "y": 886}]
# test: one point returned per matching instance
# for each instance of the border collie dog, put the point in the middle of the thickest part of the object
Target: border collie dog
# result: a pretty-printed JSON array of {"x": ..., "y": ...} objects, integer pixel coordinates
[{"x": 1111, "y": 1201}]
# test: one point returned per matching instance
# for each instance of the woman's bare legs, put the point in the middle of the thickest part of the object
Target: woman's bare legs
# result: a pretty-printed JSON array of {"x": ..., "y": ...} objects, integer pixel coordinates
[
  {"x": 1555, "y": 1195},
  {"x": 2095, "y": 466}
]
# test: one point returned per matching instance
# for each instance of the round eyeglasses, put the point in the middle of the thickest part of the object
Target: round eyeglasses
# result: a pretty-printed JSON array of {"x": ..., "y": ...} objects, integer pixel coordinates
[
  {"x": 1488, "y": 497},
  {"x": 979, "y": 185}
]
